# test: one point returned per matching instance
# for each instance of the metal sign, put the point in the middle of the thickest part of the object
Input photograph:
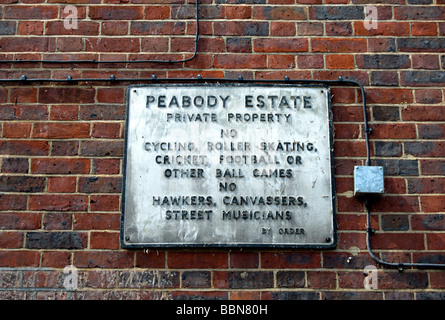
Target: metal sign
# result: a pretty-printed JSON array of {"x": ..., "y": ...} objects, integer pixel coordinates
[{"x": 210, "y": 165}]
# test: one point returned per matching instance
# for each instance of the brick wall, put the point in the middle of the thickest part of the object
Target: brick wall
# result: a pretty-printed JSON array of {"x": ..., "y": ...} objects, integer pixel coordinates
[{"x": 61, "y": 144}]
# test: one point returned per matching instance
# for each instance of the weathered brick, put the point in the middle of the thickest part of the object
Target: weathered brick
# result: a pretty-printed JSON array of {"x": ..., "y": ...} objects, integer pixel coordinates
[
  {"x": 24, "y": 147},
  {"x": 241, "y": 28},
  {"x": 56, "y": 240},
  {"x": 243, "y": 279},
  {"x": 435, "y": 222},
  {"x": 198, "y": 260},
  {"x": 286, "y": 260},
  {"x": 103, "y": 259},
  {"x": 279, "y": 13},
  {"x": 280, "y": 45},
  {"x": 421, "y": 44},
  {"x": 425, "y": 149},
  {"x": 336, "y": 13},
  {"x": 196, "y": 279},
  {"x": 60, "y": 166},
  {"x": 388, "y": 149},
  {"x": 113, "y": 148},
  {"x": 121, "y": 12},
  {"x": 419, "y": 12},
  {"x": 398, "y": 167},
  {"x": 50, "y": 202},
  {"x": 100, "y": 185},
  {"x": 423, "y": 78},
  {"x": 7, "y": 27},
  {"x": 383, "y": 61},
  {"x": 395, "y": 222},
  {"x": 96, "y": 221},
  {"x": 22, "y": 184},
  {"x": 66, "y": 95},
  {"x": 338, "y": 45}
]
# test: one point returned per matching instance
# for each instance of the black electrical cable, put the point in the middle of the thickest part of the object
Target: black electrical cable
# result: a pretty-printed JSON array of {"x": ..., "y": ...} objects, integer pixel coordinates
[
  {"x": 339, "y": 81},
  {"x": 123, "y": 61}
]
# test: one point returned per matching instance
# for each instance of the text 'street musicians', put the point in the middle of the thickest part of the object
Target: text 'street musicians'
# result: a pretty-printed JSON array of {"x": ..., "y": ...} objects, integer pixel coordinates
[{"x": 228, "y": 165}]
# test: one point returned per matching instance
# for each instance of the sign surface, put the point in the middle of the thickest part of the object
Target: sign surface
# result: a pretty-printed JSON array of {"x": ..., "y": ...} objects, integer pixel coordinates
[{"x": 228, "y": 166}]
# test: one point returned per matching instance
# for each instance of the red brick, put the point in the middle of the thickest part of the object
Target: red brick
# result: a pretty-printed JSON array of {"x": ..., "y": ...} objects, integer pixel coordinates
[
  {"x": 16, "y": 130},
  {"x": 393, "y": 131},
  {"x": 66, "y": 95},
  {"x": 103, "y": 259},
  {"x": 338, "y": 45},
  {"x": 23, "y": 147},
  {"x": 150, "y": 259},
  {"x": 393, "y": 95},
  {"x": 197, "y": 260},
  {"x": 310, "y": 62},
  {"x": 11, "y": 239},
  {"x": 23, "y": 95},
  {"x": 20, "y": 220},
  {"x": 104, "y": 240},
  {"x": 238, "y": 12},
  {"x": 282, "y": 29},
  {"x": 60, "y": 166},
  {"x": 232, "y": 61},
  {"x": 106, "y": 166},
  {"x": 349, "y": 148},
  {"x": 56, "y": 259},
  {"x": 281, "y": 61},
  {"x": 30, "y": 28},
  {"x": 310, "y": 28},
  {"x": 62, "y": 184},
  {"x": 392, "y": 28},
  {"x": 55, "y": 130},
  {"x": 20, "y": 258},
  {"x": 423, "y": 113},
  {"x": 104, "y": 203},
  {"x": 433, "y": 203},
  {"x": 397, "y": 241},
  {"x": 110, "y": 95},
  {"x": 396, "y": 204},
  {"x": 279, "y": 13},
  {"x": 23, "y": 12},
  {"x": 27, "y": 44},
  {"x": 64, "y": 112},
  {"x": 156, "y": 12},
  {"x": 106, "y": 130},
  {"x": 154, "y": 44},
  {"x": 49, "y": 202},
  {"x": 321, "y": 279},
  {"x": 244, "y": 260},
  {"x": 280, "y": 45},
  {"x": 241, "y": 28},
  {"x": 112, "y": 44},
  {"x": 437, "y": 280},
  {"x": 428, "y": 96},
  {"x": 84, "y": 28},
  {"x": 120, "y": 12},
  {"x": 423, "y": 28},
  {"x": 96, "y": 221},
  {"x": 114, "y": 28},
  {"x": 340, "y": 61},
  {"x": 435, "y": 241},
  {"x": 285, "y": 260}
]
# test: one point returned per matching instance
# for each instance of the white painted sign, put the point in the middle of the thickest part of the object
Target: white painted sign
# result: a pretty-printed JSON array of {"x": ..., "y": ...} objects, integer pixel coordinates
[{"x": 228, "y": 165}]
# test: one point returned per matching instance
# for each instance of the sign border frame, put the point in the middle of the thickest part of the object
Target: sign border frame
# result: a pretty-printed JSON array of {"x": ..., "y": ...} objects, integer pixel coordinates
[{"x": 332, "y": 244}]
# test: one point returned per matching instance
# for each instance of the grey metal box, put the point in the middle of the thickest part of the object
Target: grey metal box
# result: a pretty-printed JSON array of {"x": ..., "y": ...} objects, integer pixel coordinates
[{"x": 368, "y": 179}]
